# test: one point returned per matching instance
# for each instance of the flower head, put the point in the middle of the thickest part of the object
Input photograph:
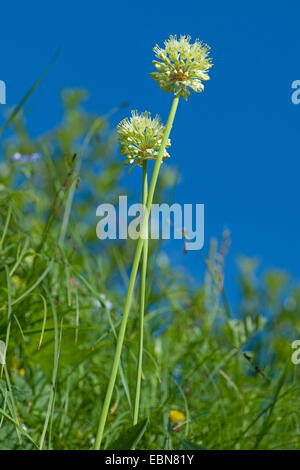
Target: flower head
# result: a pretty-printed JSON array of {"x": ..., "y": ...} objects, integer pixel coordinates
[
  {"x": 140, "y": 138},
  {"x": 104, "y": 302},
  {"x": 181, "y": 66}
]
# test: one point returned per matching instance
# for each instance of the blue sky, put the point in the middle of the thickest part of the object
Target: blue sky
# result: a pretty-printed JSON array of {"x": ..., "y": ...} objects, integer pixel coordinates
[{"x": 237, "y": 144}]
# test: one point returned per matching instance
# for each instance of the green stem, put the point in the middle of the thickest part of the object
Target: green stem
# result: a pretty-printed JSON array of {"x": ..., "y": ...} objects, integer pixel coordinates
[
  {"x": 67, "y": 213},
  {"x": 142, "y": 307},
  {"x": 133, "y": 274},
  {"x": 6, "y": 224}
]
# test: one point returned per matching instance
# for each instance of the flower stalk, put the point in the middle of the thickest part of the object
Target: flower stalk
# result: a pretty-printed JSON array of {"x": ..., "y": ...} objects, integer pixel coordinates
[
  {"x": 142, "y": 305},
  {"x": 132, "y": 279}
]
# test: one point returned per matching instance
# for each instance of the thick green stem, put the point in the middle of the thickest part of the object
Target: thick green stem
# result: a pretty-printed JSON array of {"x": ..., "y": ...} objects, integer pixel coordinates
[
  {"x": 142, "y": 307},
  {"x": 135, "y": 265}
]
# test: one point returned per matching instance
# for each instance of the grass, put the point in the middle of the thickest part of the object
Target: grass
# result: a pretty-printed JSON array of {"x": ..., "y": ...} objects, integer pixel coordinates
[{"x": 226, "y": 368}]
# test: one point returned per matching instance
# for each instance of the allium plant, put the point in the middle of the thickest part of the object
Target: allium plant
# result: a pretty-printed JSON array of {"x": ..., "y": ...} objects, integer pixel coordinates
[
  {"x": 183, "y": 66},
  {"x": 140, "y": 138}
]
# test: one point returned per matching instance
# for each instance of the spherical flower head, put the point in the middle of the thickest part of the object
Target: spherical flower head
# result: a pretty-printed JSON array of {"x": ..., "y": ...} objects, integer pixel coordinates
[
  {"x": 140, "y": 138},
  {"x": 182, "y": 66}
]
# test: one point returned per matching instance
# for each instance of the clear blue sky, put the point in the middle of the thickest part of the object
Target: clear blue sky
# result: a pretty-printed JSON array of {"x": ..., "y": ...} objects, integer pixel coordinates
[{"x": 237, "y": 143}]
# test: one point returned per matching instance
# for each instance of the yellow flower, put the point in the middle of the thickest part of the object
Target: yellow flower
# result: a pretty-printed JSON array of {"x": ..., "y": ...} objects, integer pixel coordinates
[
  {"x": 22, "y": 372},
  {"x": 175, "y": 418}
]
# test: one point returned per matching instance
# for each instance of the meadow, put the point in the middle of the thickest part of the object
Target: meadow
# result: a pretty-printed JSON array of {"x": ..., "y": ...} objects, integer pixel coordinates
[{"x": 212, "y": 376}]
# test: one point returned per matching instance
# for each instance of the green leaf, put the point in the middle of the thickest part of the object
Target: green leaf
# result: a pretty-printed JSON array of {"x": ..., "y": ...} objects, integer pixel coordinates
[
  {"x": 189, "y": 445},
  {"x": 20, "y": 428},
  {"x": 129, "y": 438}
]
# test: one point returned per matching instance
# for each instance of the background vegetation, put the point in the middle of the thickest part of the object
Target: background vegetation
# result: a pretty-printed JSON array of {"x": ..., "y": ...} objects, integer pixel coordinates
[{"x": 228, "y": 371}]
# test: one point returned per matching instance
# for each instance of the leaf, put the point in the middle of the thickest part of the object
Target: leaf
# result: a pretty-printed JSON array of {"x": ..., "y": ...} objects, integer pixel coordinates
[
  {"x": 20, "y": 428},
  {"x": 129, "y": 438},
  {"x": 189, "y": 445}
]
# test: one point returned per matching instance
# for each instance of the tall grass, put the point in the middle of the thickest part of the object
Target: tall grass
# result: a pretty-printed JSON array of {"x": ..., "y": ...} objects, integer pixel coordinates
[{"x": 225, "y": 367}]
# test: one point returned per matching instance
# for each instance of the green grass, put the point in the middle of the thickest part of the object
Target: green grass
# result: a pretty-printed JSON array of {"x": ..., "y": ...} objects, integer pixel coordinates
[{"x": 61, "y": 335}]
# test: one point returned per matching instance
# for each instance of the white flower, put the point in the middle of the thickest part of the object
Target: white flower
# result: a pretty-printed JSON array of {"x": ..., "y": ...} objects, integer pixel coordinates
[
  {"x": 182, "y": 66},
  {"x": 18, "y": 157},
  {"x": 104, "y": 302},
  {"x": 140, "y": 138}
]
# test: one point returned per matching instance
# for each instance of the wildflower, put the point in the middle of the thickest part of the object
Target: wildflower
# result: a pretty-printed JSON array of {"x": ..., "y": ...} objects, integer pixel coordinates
[
  {"x": 22, "y": 372},
  {"x": 107, "y": 302},
  {"x": 140, "y": 138},
  {"x": 34, "y": 157},
  {"x": 175, "y": 418},
  {"x": 73, "y": 282},
  {"x": 104, "y": 302},
  {"x": 18, "y": 157},
  {"x": 97, "y": 303},
  {"x": 181, "y": 66}
]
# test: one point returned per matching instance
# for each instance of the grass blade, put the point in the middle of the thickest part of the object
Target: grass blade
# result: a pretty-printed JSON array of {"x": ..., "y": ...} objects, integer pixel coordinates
[{"x": 18, "y": 108}]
